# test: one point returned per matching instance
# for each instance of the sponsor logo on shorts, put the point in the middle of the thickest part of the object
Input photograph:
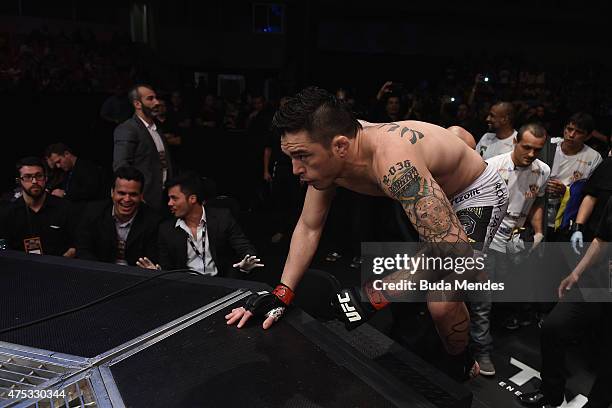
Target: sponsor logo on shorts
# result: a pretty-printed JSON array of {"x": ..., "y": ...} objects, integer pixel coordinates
[{"x": 466, "y": 196}]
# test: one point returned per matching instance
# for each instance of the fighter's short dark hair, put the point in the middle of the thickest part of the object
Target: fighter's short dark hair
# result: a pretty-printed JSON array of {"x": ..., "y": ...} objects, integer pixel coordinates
[{"x": 319, "y": 113}]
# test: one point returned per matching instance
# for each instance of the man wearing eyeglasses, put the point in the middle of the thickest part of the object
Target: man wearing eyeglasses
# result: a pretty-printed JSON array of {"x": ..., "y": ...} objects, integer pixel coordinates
[{"x": 37, "y": 222}]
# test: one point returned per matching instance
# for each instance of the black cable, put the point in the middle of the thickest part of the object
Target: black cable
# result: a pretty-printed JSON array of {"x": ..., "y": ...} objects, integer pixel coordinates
[{"x": 95, "y": 302}]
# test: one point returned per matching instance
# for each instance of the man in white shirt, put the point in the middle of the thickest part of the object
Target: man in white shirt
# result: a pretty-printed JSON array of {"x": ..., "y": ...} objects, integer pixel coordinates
[
  {"x": 525, "y": 177},
  {"x": 138, "y": 143},
  {"x": 573, "y": 161},
  {"x": 501, "y": 135}
]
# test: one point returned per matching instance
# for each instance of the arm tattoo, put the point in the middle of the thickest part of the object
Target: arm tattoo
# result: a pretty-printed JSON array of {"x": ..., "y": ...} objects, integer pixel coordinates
[
  {"x": 412, "y": 135},
  {"x": 425, "y": 204}
]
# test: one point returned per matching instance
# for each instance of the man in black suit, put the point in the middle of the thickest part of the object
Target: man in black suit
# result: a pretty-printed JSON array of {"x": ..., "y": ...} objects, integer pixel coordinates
[
  {"x": 83, "y": 179},
  {"x": 120, "y": 230},
  {"x": 201, "y": 238},
  {"x": 138, "y": 143}
]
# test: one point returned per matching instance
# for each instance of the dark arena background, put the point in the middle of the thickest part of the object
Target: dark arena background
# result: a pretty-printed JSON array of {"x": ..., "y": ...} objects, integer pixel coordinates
[{"x": 222, "y": 69}]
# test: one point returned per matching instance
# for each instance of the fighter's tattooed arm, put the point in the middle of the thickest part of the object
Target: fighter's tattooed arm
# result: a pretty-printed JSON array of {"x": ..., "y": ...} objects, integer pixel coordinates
[
  {"x": 433, "y": 217},
  {"x": 410, "y": 134},
  {"x": 430, "y": 213},
  {"x": 424, "y": 202}
]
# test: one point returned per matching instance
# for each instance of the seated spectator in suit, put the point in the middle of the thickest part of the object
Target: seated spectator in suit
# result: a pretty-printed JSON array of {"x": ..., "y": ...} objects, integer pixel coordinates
[
  {"x": 201, "y": 238},
  {"x": 83, "y": 178},
  {"x": 122, "y": 229},
  {"x": 38, "y": 222}
]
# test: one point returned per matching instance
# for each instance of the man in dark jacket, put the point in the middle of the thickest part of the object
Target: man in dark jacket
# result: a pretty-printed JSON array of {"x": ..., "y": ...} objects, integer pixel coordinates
[
  {"x": 123, "y": 229},
  {"x": 82, "y": 180},
  {"x": 139, "y": 143},
  {"x": 204, "y": 239},
  {"x": 37, "y": 222}
]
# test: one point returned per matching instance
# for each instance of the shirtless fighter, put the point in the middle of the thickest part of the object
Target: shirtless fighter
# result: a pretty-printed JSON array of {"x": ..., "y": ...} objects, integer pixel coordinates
[{"x": 442, "y": 184}]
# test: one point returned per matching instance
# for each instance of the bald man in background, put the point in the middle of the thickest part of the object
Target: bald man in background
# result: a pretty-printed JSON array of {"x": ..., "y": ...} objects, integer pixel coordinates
[{"x": 501, "y": 135}]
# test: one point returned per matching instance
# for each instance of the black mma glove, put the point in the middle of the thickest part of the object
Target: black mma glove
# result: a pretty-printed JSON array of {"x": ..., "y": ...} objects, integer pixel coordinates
[
  {"x": 266, "y": 304},
  {"x": 351, "y": 310}
]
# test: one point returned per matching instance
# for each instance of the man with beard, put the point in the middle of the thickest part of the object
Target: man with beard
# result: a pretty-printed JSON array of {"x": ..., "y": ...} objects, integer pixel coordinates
[
  {"x": 139, "y": 144},
  {"x": 500, "y": 138},
  {"x": 38, "y": 222}
]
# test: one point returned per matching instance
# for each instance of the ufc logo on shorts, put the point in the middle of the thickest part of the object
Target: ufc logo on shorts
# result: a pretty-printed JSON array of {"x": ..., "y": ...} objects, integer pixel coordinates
[{"x": 349, "y": 311}]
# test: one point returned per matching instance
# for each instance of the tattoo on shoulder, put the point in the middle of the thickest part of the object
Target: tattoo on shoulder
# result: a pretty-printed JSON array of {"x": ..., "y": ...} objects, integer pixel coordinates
[
  {"x": 412, "y": 135},
  {"x": 424, "y": 202}
]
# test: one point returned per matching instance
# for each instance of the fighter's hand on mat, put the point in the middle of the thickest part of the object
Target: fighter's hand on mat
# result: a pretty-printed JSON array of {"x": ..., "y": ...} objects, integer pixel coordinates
[
  {"x": 272, "y": 306},
  {"x": 567, "y": 284},
  {"x": 248, "y": 263},
  {"x": 146, "y": 263}
]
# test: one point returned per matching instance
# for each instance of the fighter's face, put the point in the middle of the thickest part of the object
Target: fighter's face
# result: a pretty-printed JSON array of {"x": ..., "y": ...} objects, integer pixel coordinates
[
  {"x": 432, "y": 214},
  {"x": 527, "y": 150},
  {"x": 315, "y": 164}
]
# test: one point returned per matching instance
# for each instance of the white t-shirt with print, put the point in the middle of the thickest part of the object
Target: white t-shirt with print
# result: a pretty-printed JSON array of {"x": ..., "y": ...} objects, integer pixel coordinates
[
  {"x": 490, "y": 146},
  {"x": 524, "y": 185},
  {"x": 568, "y": 169}
]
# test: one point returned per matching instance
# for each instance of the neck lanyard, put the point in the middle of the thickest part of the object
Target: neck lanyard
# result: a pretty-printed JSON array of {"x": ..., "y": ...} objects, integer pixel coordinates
[{"x": 195, "y": 249}]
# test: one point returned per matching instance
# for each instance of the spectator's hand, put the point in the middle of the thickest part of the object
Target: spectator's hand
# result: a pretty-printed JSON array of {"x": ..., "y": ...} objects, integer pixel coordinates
[
  {"x": 267, "y": 176},
  {"x": 70, "y": 253},
  {"x": 567, "y": 284},
  {"x": 58, "y": 192},
  {"x": 577, "y": 241},
  {"x": 147, "y": 264},
  {"x": 248, "y": 263},
  {"x": 555, "y": 187},
  {"x": 385, "y": 89}
]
